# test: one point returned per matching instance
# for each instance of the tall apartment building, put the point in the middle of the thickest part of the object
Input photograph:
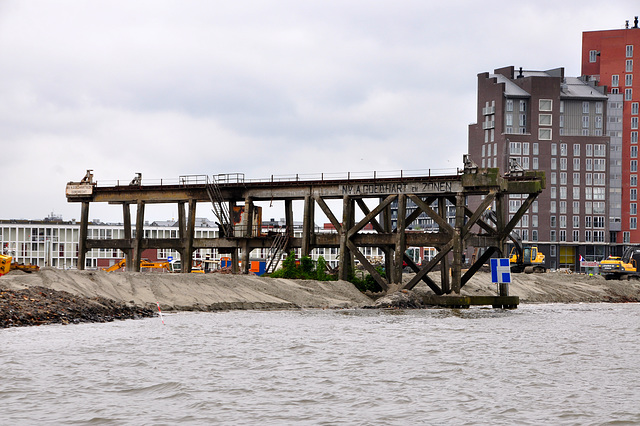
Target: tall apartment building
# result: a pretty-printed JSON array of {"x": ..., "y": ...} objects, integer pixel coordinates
[
  {"x": 546, "y": 121},
  {"x": 608, "y": 59}
]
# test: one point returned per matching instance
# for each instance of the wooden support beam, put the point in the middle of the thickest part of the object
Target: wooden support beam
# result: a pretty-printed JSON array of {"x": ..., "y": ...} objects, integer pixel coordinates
[
  {"x": 308, "y": 225},
  {"x": 370, "y": 216},
  {"x": 425, "y": 277},
  {"x": 400, "y": 240},
  {"x": 372, "y": 271},
  {"x": 429, "y": 266},
  {"x": 345, "y": 265},
  {"x": 137, "y": 245},
  {"x": 477, "y": 265},
  {"x": 191, "y": 229},
  {"x": 438, "y": 217},
  {"x": 126, "y": 218},
  {"x": 445, "y": 282},
  {"x": 473, "y": 217},
  {"x": 327, "y": 211},
  {"x": 82, "y": 238}
]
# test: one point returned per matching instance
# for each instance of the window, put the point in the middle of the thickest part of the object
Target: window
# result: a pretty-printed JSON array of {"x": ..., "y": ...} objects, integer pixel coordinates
[
  {"x": 614, "y": 91},
  {"x": 553, "y": 164},
  {"x": 576, "y": 236},
  {"x": 599, "y": 179},
  {"x": 553, "y": 192},
  {"x": 535, "y": 148},
  {"x": 585, "y": 121},
  {"x": 525, "y": 148},
  {"x": 634, "y": 122},
  {"x": 534, "y": 235},
  {"x": 509, "y": 119},
  {"x": 552, "y": 236},
  {"x": 598, "y": 107},
  {"x": 626, "y": 237},
  {"x": 628, "y": 80},
  {"x": 629, "y": 51},
  {"x": 628, "y": 94},
  {"x": 515, "y": 148},
  {"x": 545, "y": 104},
  {"x": 588, "y": 193},
  {"x": 615, "y": 80},
  {"x": 552, "y": 221},
  {"x": 563, "y": 207},
  {"x": 633, "y": 166},
  {"x": 509, "y": 105},
  {"x": 563, "y": 235},
  {"x": 525, "y": 163},
  {"x": 633, "y": 195},
  {"x": 561, "y": 107},
  {"x": 554, "y": 149},
  {"x": 599, "y": 165},
  {"x": 561, "y": 122},
  {"x": 585, "y": 107},
  {"x": 576, "y": 207},
  {"x": 483, "y": 151},
  {"x": 563, "y": 163},
  {"x": 563, "y": 178},
  {"x": 576, "y": 192},
  {"x": 522, "y": 120},
  {"x": 589, "y": 150},
  {"x": 600, "y": 150},
  {"x": 534, "y": 207},
  {"x": 576, "y": 150},
  {"x": 634, "y": 108},
  {"x": 633, "y": 208},
  {"x": 634, "y": 180},
  {"x": 534, "y": 221},
  {"x": 544, "y": 134},
  {"x": 634, "y": 137},
  {"x": 628, "y": 66},
  {"x": 544, "y": 119},
  {"x": 593, "y": 55},
  {"x": 563, "y": 192},
  {"x": 589, "y": 179},
  {"x": 633, "y": 222},
  {"x": 553, "y": 178},
  {"x": 534, "y": 164},
  {"x": 576, "y": 164},
  {"x": 563, "y": 149},
  {"x": 587, "y": 236},
  {"x": 598, "y": 207},
  {"x": 523, "y": 106},
  {"x": 634, "y": 151},
  {"x": 589, "y": 164},
  {"x": 563, "y": 221},
  {"x": 598, "y": 122},
  {"x": 599, "y": 193},
  {"x": 576, "y": 221}
]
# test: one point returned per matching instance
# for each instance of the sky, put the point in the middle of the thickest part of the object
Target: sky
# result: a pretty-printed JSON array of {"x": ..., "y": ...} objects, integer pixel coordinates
[{"x": 171, "y": 88}]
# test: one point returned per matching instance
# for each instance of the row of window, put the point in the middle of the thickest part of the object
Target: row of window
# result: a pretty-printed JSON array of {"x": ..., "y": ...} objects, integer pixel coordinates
[
  {"x": 628, "y": 78},
  {"x": 592, "y": 164},
  {"x": 628, "y": 93},
  {"x": 589, "y": 236},
  {"x": 593, "y": 56},
  {"x": 590, "y": 178},
  {"x": 590, "y": 193}
]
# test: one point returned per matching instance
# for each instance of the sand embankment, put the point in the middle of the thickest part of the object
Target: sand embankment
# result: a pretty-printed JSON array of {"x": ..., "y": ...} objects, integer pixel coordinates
[{"x": 193, "y": 291}]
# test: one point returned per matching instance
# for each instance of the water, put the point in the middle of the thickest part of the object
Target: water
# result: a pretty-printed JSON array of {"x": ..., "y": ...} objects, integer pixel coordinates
[{"x": 539, "y": 364}]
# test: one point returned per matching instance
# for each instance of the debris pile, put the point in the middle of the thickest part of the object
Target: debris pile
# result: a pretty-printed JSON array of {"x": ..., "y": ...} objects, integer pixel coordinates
[{"x": 40, "y": 305}]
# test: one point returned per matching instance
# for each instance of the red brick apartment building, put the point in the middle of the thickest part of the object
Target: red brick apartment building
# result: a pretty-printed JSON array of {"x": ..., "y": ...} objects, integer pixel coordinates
[{"x": 608, "y": 58}]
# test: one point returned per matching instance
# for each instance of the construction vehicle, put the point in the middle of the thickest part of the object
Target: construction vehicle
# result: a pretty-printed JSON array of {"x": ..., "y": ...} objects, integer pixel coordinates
[
  {"x": 522, "y": 258},
  {"x": 146, "y": 264},
  {"x": 527, "y": 259},
  {"x": 7, "y": 265},
  {"x": 616, "y": 268}
]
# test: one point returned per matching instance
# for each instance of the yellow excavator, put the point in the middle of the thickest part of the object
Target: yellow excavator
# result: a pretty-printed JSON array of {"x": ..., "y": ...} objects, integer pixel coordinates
[
  {"x": 147, "y": 264},
  {"x": 7, "y": 265},
  {"x": 527, "y": 259},
  {"x": 616, "y": 268}
]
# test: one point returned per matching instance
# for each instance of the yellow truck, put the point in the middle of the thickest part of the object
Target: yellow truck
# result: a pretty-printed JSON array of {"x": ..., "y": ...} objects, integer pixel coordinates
[
  {"x": 147, "y": 264},
  {"x": 616, "y": 267}
]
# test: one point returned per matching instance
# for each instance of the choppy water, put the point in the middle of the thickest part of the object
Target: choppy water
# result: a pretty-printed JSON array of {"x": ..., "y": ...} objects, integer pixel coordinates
[{"x": 539, "y": 364}]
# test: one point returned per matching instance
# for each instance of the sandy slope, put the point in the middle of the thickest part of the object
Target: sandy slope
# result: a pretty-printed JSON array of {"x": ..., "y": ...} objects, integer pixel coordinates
[
  {"x": 193, "y": 291},
  {"x": 219, "y": 291}
]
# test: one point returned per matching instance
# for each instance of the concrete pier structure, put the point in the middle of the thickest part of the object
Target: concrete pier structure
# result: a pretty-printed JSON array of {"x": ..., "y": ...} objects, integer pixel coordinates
[{"x": 234, "y": 197}]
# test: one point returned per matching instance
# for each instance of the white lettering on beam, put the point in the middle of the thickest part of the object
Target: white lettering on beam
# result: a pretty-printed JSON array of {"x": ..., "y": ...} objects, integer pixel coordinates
[{"x": 397, "y": 188}]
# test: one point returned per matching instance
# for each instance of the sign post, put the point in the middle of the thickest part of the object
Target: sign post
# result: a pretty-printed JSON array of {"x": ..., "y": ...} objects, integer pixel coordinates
[{"x": 501, "y": 275}]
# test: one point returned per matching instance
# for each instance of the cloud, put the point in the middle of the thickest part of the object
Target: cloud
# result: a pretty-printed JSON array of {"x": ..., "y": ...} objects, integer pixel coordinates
[{"x": 260, "y": 87}]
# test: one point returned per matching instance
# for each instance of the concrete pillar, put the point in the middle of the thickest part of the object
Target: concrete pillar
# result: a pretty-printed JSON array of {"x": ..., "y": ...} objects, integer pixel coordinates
[
  {"x": 137, "y": 244},
  {"x": 82, "y": 240}
]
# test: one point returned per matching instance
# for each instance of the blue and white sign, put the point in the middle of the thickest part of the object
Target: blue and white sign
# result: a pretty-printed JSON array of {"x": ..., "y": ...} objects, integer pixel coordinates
[
  {"x": 169, "y": 258},
  {"x": 500, "y": 271}
]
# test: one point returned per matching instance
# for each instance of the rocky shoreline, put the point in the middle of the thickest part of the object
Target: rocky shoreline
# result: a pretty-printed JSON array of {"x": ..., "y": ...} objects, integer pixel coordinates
[
  {"x": 40, "y": 305},
  {"x": 53, "y": 296}
]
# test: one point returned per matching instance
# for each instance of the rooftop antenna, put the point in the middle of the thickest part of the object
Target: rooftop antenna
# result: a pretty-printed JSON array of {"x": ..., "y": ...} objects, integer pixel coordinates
[
  {"x": 635, "y": 22},
  {"x": 626, "y": 24}
]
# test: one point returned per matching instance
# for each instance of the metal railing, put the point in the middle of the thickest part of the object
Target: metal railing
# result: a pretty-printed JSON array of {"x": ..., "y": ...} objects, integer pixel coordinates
[{"x": 239, "y": 178}]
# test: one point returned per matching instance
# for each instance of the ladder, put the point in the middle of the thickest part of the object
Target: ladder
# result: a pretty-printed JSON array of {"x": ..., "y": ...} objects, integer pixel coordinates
[
  {"x": 275, "y": 251},
  {"x": 220, "y": 207}
]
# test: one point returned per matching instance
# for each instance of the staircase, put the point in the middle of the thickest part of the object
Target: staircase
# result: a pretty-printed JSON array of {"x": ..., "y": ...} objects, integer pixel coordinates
[
  {"x": 220, "y": 207},
  {"x": 275, "y": 252}
]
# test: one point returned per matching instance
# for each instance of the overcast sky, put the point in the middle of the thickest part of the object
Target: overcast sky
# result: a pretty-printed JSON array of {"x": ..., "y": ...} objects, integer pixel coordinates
[{"x": 170, "y": 88}]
